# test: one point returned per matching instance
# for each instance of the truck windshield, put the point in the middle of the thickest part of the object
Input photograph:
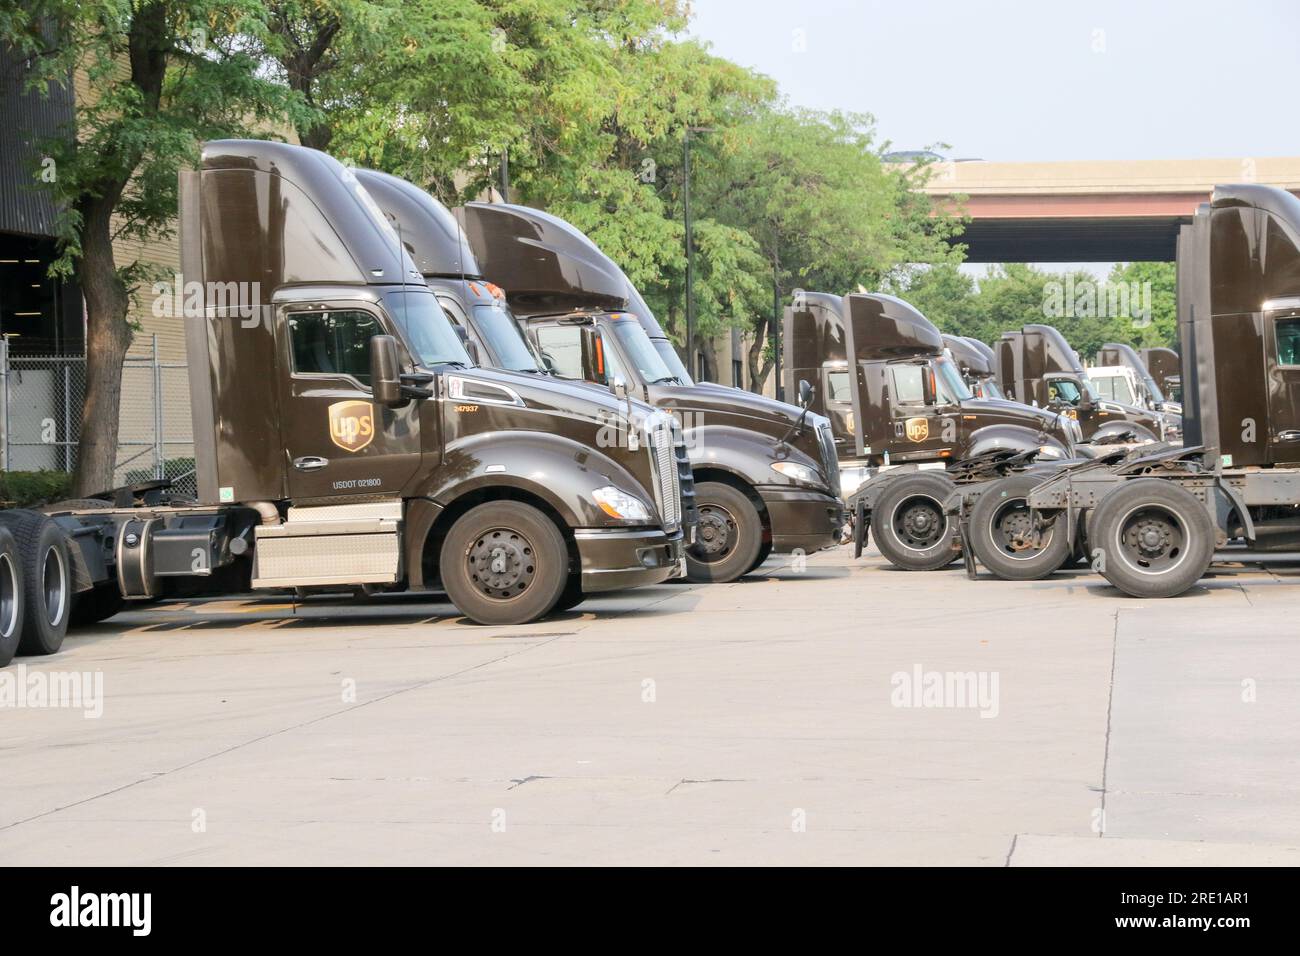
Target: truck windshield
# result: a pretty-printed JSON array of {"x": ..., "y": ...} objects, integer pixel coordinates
[
  {"x": 1114, "y": 387},
  {"x": 673, "y": 360},
  {"x": 426, "y": 328},
  {"x": 501, "y": 332},
  {"x": 951, "y": 385},
  {"x": 641, "y": 352},
  {"x": 987, "y": 388}
]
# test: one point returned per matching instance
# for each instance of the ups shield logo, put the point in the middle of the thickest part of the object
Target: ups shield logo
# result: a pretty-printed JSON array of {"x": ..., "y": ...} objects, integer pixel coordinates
[
  {"x": 918, "y": 429},
  {"x": 352, "y": 425}
]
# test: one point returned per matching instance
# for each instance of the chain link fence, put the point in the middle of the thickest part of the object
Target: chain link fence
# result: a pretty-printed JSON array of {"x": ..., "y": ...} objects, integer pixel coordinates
[{"x": 40, "y": 416}]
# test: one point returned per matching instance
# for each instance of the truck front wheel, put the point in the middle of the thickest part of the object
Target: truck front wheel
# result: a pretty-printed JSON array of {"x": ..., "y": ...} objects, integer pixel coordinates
[
  {"x": 912, "y": 531},
  {"x": 504, "y": 562},
  {"x": 1003, "y": 536},
  {"x": 729, "y": 538},
  {"x": 11, "y": 597},
  {"x": 1155, "y": 538},
  {"x": 47, "y": 580}
]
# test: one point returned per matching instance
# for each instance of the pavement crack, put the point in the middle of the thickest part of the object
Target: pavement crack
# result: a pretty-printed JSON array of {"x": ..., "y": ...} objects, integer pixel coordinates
[
  {"x": 1012, "y": 849},
  {"x": 1110, "y": 707},
  {"x": 518, "y": 782},
  {"x": 688, "y": 780}
]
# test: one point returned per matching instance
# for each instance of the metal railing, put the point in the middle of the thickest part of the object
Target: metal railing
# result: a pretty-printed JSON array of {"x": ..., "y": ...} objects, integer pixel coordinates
[{"x": 40, "y": 415}]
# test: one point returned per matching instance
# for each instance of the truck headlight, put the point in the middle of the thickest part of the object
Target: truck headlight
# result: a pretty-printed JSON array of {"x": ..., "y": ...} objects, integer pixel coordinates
[
  {"x": 1049, "y": 451},
  {"x": 621, "y": 505},
  {"x": 796, "y": 471}
]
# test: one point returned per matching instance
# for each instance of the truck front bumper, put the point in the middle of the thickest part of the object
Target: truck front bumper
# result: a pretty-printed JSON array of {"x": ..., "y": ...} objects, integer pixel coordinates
[
  {"x": 614, "y": 558},
  {"x": 803, "y": 520}
]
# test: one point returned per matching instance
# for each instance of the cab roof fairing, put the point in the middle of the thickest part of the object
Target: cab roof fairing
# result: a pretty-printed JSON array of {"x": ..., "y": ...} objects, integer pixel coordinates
[{"x": 433, "y": 237}]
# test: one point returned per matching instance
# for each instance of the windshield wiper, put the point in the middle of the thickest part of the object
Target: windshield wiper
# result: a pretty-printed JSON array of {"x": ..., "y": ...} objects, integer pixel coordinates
[{"x": 667, "y": 378}]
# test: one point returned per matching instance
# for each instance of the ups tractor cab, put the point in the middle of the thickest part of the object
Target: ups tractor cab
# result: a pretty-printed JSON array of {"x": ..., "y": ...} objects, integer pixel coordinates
[
  {"x": 766, "y": 478},
  {"x": 1118, "y": 363},
  {"x": 904, "y": 419},
  {"x": 1165, "y": 367},
  {"x": 1156, "y": 517},
  {"x": 345, "y": 440},
  {"x": 1036, "y": 366},
  {"x": 479, "y": 312},
  {"x": 974, "y": 361}
]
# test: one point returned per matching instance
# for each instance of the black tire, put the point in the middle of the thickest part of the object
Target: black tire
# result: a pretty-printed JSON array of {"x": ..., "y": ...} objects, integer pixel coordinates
[
  {"x": 729, "y": 537},
  {"x": 97, "y": 604},
  {"x": 1155, "y": 538},
  {"x": 764, "y": 552},
  {"x": 11, "y": 597},
  {"x": 572, "y": 594},
  {"x": 532, "y": 574},
  {"x": 999, "y": 525},
  {"x": 911, "y": 529},
  {"x": 47, "y": 580}
]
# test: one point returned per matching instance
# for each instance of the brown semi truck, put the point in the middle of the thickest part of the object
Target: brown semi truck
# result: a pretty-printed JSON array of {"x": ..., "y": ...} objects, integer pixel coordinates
[
  {"x": 1166, "y": 369},
  {"x": 1155, "y": 518},
  {"x": 905, "y": 423},
  {"x": 1036, "y": 366},
  {"x": 766, "y": 476},
  {"x": 976, "y": 363},
  {"x": 478, "y": 309},
  {"x": 345, "y": 439}
]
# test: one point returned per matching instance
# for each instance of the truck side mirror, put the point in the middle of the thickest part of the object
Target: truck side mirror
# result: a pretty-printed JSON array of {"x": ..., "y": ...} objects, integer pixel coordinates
[
  {"x": 618, "y": 386},
  {"x": 805, "y": 393},
  {"x": 929, "y": 388},
  {"x": 385, "y": 374},
  {"x": 593, "y": 355}
]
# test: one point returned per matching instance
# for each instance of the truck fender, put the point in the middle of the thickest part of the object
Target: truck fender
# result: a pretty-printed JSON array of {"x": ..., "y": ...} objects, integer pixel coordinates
[
  {"x": 1120, "y": 427},
  {"x": 1004, "y": 437},
  {"x": 554, "y": 469},
  {"x": 747, "y": 455}
]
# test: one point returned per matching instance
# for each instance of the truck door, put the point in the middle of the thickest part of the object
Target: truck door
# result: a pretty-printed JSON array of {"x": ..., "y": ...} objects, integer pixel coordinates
[
  {"x": 917, "y": 425},
  {"x": 839, "y": 405},
  {"x": 1283, "y": 384},
  {"x": 337, "y": 441}
]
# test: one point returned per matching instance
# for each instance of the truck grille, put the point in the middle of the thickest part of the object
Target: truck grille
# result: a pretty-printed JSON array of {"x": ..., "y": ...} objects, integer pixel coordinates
[
  {"x": 664, "y": 442},
  {"x": 830, "y": 460}
]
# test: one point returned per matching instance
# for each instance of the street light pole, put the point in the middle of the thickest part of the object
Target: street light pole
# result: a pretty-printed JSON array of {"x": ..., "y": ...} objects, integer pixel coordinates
[
  {"x": 690, "y": 247},
  {"x": 690, "y": 255}
]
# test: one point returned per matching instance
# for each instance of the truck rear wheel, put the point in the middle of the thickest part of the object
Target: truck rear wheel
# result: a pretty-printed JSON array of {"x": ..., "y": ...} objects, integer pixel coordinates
[
  {"x": 103, "y": 600},
  {"x": 11, "y": 597},
  {"x": 1156, "y": 539},
  {"x": 729, "y": 537},
  {"x": 912, "y": 531},
  {"x": 47, "y": 580},
  {"x": 1001, "y": 533},
  {"x": 504, "y": 562}
]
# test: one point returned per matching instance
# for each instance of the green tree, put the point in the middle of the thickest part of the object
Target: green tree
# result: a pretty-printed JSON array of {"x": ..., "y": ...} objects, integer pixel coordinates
[
  {"x": 163, "y": 76},
  {"x": 1156, "y": 285},
  {"x": 826, "y": 214}
]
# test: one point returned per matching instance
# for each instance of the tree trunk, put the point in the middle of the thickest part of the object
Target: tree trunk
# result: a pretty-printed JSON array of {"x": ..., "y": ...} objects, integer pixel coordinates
[
  {"x": 758, "y": 368},
  {"x": 710, "y": 355},
  {"x": 108, "y": 336}
]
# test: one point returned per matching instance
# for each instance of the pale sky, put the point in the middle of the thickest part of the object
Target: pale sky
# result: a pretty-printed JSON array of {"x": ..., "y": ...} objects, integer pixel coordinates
[{"x": 1012, "y": 80}]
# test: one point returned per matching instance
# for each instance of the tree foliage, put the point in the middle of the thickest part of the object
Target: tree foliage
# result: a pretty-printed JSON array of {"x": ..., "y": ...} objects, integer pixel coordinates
[
  {"x": 163, "y": 75},
  {"x": 1135, "y": 304}
]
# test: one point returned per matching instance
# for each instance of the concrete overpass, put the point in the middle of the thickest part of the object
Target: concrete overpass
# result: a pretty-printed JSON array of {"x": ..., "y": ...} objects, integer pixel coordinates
[{"x": 1104, "y": 211}]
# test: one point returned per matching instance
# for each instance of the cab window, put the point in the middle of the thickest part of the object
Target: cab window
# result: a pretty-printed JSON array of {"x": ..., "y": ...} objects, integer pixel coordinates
[
  {"x": 909, "y": 387},
  {"x": 561, "y": 347},
  {"x": 1288, "y": 341},
  {"x": 837, "y": 387},
  {"x": 1064, "y": 390},
  {"x": 333, "y": 343}
]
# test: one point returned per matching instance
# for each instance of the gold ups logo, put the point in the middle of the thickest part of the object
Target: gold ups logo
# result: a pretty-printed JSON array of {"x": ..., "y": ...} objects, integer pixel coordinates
[
  {"x": 917, "y": 429},
  {"x": 352, "y": 425}
]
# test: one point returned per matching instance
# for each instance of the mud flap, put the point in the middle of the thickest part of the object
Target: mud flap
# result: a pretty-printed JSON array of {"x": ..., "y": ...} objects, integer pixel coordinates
[
  {"x": 860, "y": 527},
  {"x": 967, "y": 552}
]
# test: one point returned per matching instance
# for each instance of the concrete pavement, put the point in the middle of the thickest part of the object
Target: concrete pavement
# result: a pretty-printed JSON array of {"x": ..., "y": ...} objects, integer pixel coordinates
[{"x": 758, "y": 722}]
